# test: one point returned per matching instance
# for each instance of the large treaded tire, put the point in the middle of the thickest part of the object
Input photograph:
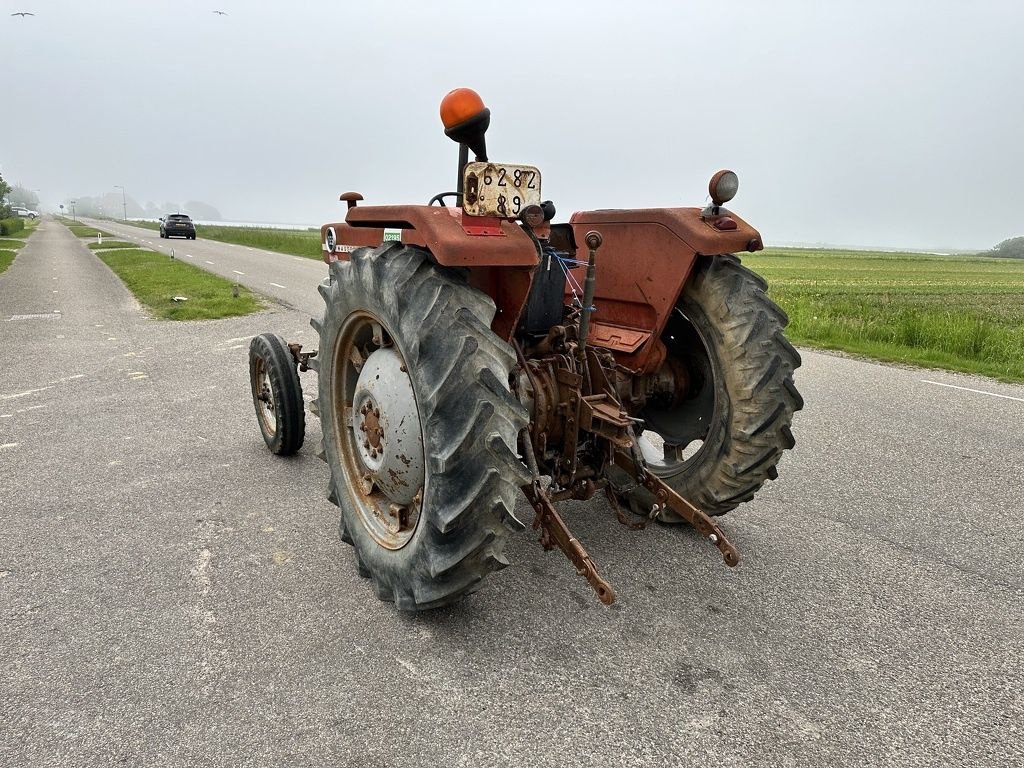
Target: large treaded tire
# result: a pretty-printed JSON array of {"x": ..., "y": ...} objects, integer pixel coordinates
[
  {"x": 282, "y": 419},
  {"x": 751, "y": 365},
  {"x": 470, "y": 423}
]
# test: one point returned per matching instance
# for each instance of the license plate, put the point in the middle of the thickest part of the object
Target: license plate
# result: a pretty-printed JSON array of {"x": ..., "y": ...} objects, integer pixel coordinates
[{"x": 499, "y": 189}]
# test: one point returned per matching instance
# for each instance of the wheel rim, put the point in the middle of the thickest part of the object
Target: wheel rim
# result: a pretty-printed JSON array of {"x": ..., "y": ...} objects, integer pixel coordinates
[
  {"x": 676, "y": 437},
  {"x": 266, "y": 408},
  {"x": 378, "y": 432}
]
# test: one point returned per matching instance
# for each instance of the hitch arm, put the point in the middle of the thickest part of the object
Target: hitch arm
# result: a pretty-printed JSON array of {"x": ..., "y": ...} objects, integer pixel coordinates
[
  {"x": 665, "y": 496},
  {"x": 555, "y": 533},
  {"x": 553, "y": 530}
]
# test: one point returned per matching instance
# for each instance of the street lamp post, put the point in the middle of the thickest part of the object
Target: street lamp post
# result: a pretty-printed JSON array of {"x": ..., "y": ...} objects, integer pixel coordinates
[{"x": 124, "y": 201}]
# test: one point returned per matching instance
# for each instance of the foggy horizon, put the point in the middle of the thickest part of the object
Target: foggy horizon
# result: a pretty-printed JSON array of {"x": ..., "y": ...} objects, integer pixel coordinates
[{"x": 867, "y": 124}]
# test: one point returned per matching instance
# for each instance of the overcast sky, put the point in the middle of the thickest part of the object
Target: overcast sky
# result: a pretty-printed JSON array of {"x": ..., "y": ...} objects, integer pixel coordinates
[{"x": 866, "y": 123}]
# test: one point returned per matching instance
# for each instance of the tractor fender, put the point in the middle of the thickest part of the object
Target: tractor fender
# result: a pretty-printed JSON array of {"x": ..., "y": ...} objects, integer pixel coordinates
[
  {"x": 646, "y": 257},
  {"x": 452, "y": 239}
]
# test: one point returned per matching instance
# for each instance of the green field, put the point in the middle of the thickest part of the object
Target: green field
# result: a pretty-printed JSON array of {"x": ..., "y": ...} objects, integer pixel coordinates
[
  {"x": 6, "y": 259},
  {"x": 156, "y": 280},
  {"x": 964, "y": 314},
  {"x": 296, "y": 242}
]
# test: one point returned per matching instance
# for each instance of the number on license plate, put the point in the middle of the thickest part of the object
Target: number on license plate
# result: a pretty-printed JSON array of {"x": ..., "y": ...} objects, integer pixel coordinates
[{"x": 499, "y": 189}]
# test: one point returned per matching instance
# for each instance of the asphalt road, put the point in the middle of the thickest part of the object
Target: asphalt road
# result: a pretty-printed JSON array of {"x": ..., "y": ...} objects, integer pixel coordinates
[{"x": 171, "y": 594}]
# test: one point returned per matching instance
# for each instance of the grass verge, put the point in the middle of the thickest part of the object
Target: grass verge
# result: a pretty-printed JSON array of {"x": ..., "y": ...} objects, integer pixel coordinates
[
  {"x": 111, "y": 244},
  {"x": 963, "y": 314},
  {"x": 11, "y": 244},
  {"x": 156, "y": 280},
  {"x": 295, "y": 242},
  {"x": 84, "y": 230}
]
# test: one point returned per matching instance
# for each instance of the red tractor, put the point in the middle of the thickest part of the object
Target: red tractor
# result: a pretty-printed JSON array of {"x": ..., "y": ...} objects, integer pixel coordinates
[{"x": 473, "y": 351}]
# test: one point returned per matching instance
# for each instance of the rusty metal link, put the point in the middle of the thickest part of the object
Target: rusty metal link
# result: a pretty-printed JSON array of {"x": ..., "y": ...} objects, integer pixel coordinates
[
  {"x": 620, "y": 513},
  {"x": 665, "y": 496},
  {"x": 555, "y": 533}
]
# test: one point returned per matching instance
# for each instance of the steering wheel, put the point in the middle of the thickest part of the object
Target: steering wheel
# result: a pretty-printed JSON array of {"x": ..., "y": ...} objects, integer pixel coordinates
[{"x": 439, "y": 198}]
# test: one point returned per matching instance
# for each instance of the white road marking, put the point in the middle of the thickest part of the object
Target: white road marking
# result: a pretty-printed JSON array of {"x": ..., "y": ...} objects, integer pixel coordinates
[
  {"x": 189, "y": 255},
  {"x": 24, "y": 394},
  {"x": 233, "y": 270},
  {"x": 8, "y": 445},
  {"x": 210, "y": 263},
  {"x": 201, "y": 572},
  {"x": 34, "y": 407},
  {"x": 6, "y": 415},
  {"x": 278, "y": 285},
  {"x": 976, "y": 391}
]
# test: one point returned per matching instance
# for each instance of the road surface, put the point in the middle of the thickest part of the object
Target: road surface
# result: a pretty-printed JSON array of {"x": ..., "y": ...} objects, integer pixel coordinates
[{"x": 171, "y": 594}]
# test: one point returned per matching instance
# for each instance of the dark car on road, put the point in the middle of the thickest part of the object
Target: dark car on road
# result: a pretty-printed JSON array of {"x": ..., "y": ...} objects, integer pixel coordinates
[{"x": 177, "y": 225}]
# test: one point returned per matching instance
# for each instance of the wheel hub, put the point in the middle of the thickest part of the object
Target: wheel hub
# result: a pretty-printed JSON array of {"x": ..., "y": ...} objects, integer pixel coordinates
[{"x": 387, "y": 432}]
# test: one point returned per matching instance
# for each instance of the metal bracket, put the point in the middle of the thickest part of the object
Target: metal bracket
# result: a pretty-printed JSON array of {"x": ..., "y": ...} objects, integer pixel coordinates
[{"x": 301, "y": 358}]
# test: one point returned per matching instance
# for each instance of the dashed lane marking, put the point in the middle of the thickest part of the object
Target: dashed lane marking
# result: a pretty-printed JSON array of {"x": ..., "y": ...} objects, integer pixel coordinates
[
  {"x": 5, "y": 446},
  {"x": 976, "y": 391},
  {"x": 210, "y": 263},
  {"x": 26, "y": 393},
  {"x": 233, "y": 270},
  {"x": 278, "y": 285}
]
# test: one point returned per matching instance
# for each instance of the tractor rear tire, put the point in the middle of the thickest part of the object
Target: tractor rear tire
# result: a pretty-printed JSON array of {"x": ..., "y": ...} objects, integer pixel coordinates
[
  {"x": 420, "y": 428},
  {"x": 276, "y": 394},
  {"x": 729, "y": 335}
]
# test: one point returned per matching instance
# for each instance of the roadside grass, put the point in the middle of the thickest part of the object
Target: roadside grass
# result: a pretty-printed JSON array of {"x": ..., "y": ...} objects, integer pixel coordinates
[
  {"x": 295, "y": 242},
  {"x": 156, "y": 280},
  {"x": 962, "y": 314},
  {"x": 111, "y": 244},
  {"x": 11, "y": 244},
  {"x": 84, "y": 230}
]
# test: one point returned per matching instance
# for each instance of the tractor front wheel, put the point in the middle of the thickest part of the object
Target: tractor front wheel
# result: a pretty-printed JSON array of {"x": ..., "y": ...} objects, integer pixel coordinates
[
  {"x": 719, "y": 444},
  {"x": 276, "y": 394},
  {"x": 420, "y": 429}
]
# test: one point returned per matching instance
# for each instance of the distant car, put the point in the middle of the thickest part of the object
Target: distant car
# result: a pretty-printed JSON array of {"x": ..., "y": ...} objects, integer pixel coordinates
[
  {"x": 177, "y": 225},
  {"x": 25, "y": 213}
]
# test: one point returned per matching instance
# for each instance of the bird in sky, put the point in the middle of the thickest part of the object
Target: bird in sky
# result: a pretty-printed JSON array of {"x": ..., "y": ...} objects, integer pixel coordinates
[
  {"x": 23, "y": 14},
  {"x": 220, "y": 13}
]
